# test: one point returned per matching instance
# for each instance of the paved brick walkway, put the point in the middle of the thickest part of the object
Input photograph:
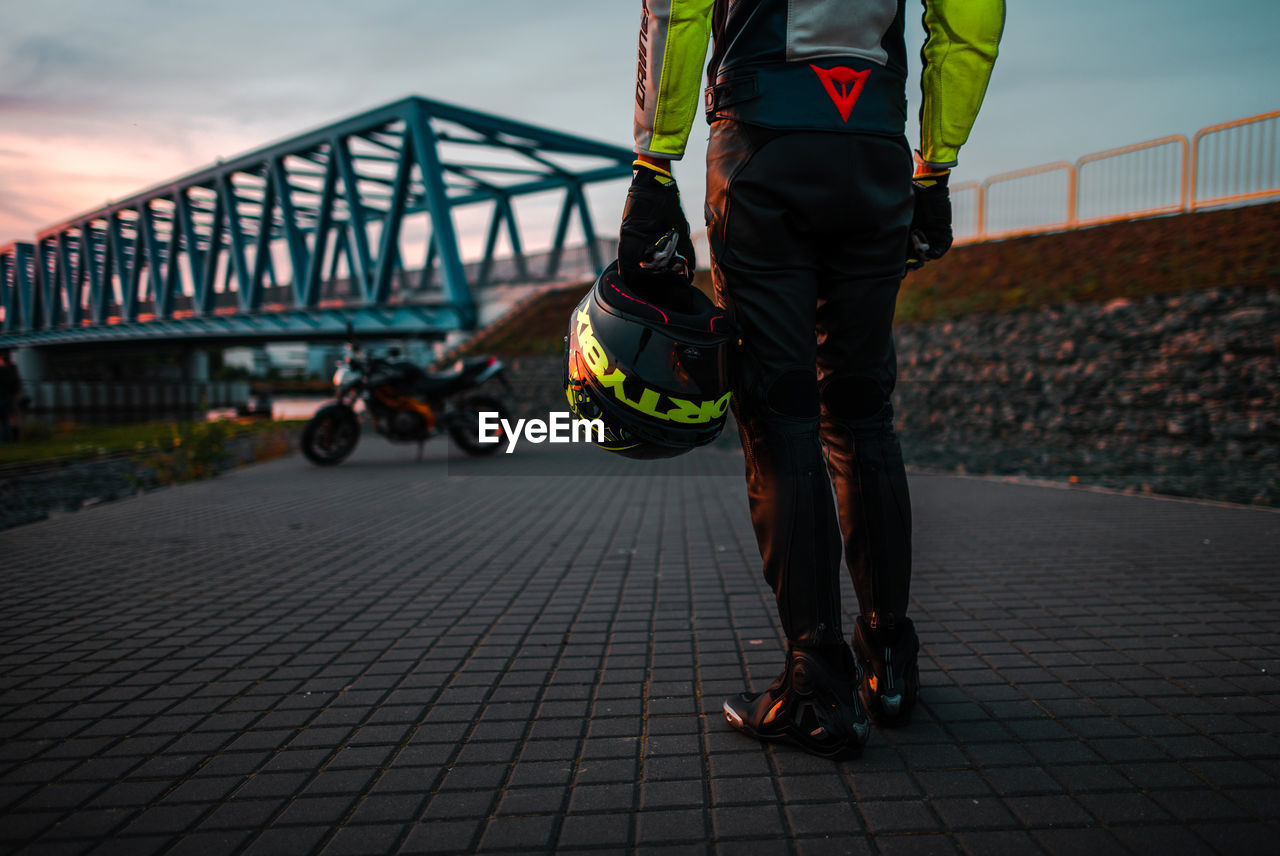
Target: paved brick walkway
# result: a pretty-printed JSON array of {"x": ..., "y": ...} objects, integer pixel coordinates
[{"x": 400, "y": 657}]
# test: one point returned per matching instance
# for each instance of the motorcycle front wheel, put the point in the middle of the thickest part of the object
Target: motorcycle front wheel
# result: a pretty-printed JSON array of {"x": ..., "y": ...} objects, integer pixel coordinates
[
  {"x": 331, "y": 435},
  {"x": 464, "y": 427}
]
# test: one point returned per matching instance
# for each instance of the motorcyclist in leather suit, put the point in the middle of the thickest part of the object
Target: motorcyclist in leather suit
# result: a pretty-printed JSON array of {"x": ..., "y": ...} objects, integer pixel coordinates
[{"x": 814, "y": 211}]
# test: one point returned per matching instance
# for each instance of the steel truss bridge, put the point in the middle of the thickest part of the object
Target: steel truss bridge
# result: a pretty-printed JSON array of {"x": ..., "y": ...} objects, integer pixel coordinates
[{"x": 352, "y": 223}]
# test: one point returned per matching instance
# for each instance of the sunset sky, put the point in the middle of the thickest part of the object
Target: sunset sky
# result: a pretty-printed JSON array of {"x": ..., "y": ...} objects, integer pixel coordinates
[{"x": 98, "y": 100}]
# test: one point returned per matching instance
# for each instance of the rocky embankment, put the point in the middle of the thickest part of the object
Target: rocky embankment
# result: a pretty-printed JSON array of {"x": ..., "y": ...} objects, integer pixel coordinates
[{"x": 1171, "y": 394}]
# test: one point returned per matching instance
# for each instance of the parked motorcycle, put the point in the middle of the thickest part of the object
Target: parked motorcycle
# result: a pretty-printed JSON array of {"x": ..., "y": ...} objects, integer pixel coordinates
[{"x": 405, "y": 404}]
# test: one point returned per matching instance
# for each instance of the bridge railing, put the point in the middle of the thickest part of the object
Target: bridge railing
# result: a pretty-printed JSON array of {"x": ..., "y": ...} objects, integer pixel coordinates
[{"x": 1228, "y": 164}]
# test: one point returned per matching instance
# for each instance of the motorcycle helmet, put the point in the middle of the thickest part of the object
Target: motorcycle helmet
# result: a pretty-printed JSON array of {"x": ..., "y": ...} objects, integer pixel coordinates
[{"x": 654, "y": 368}]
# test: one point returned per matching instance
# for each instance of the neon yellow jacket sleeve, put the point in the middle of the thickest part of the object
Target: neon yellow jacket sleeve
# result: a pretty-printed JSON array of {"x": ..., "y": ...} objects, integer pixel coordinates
[
  {"x": 961, "y": 40},
  {"x": 673, "y": 46}
]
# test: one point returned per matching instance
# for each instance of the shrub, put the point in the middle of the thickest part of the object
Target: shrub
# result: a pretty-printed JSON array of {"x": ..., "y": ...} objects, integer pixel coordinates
[{"x": 187, "y": 451}]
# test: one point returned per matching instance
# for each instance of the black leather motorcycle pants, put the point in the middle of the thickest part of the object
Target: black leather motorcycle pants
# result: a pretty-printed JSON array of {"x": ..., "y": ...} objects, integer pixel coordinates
[{"x": 808, "y": 234}]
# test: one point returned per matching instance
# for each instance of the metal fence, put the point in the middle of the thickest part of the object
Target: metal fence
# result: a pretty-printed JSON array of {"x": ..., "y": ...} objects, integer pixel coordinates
[
  {"x": 1236, "y": 161},
  {"x": 1228, "y": 164}
]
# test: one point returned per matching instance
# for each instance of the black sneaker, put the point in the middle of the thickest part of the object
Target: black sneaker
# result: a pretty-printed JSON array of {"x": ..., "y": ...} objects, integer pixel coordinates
[
  {"x": 813, "y": 704},
  {"x": 890, "y": 674}
]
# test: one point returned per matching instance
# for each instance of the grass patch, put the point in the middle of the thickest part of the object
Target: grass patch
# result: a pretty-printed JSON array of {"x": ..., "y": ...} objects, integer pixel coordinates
[
  {"x": 69, "y": 440},
  {"x": 1128, "y": 260}
]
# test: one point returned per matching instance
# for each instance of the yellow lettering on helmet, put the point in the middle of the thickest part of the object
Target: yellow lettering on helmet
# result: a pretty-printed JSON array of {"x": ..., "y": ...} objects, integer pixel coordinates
[
  {"x": 614, "y": 380},
  {"x": 597, "y": 362},
  {"x": 718, "y": 407},
  {"x": 649, "y": 403},
  {"x": 592, "y": 353},
  {"x": 696, "y": 412},
  {"x": 688, "y": 412}
]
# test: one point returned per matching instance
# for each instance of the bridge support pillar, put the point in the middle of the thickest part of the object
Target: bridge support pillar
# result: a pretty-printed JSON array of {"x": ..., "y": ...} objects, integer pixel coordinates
[
  {"x": 196, "y": 366},
  {"x": 261, "y": 361},
  {"x": 33, "y": 365}
]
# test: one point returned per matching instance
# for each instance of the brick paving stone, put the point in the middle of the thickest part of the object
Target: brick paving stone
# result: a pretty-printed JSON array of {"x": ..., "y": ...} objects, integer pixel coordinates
[
  {"x": 1118, "y": 809},
  {"x": 216, "y": 843},
  {"x": 1021, "y": 780},
  {"x": 1239, "y": 837},
  {"x": 523, "y": 834},
  {"x": 660, "y": 794},
  {"x": 963, "y": 813},
  {"x": 1157, "y": 841},
  {"x": 380, "y": 674},
  {"x": 670, "y": 825},
  {"x": 739, "y": 763},
  {"x": 531, "y": 801},
  {"x": 869, "y": 786},
  {"x": 1006, "y": 842},
  {"x": 752, "y": 791},
  {"x": 952, "y": 783},
  {"x": 833, "y": 846},
  {"x": 1235, "y": 773},
  {"x": 757, "y": 822},
  {"x": 1055, "y": 810},
  {"x": 917, "y": 845},
  {"x": 1067, "y": 842},
  {"x": 898, "y": 816},
  {"x": 338, "y": 781},
  {"x": 315, "y": 811},
  {"x": 397, "y": 808},
  {"x": 671, "y": 850},
  {"x": 757, "y": 847},
  {"x": 610, "y": 798},
  {"x": 89, "y": 823},
  {"x": 164, "y": 820},
  {"x": 242, "y": 814},
  {"x": 287, "y": 841},
  {"x": 441, "y": 837},
  {"x": 998, "y": 754},
  {"x": 673, "y": 766},
  {"x": 595, "y": 830},
  {"x": 134, "y": 845},
  {"x": 558, "y": 773},
  {"x": 364, "y": 840},
  {"x": 826, "y": 819},
  {"x": 1263, "y": 802}
]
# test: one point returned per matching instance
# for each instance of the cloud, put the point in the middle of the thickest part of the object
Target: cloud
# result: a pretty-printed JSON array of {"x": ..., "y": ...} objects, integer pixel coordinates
[
  {"x": 155, "y": 89},
  {"x": 40, "y": 108}
]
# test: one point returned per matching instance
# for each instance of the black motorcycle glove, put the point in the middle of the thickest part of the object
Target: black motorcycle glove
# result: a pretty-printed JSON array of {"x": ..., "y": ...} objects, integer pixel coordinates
[
  {"x": 931, "y": 221},
  {"x": 654, "y": 247}
]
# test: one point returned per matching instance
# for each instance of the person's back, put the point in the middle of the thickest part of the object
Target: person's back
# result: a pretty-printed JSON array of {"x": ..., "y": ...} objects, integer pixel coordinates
[
  {"x": 812, "y": 216},
  {"x": 771, "y": 66}
]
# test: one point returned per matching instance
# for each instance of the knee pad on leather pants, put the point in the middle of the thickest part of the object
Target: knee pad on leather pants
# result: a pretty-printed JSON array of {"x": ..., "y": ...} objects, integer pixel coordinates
[
  {"x": 855, "y": 399},
  {"x": 794, "y": 394}
]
